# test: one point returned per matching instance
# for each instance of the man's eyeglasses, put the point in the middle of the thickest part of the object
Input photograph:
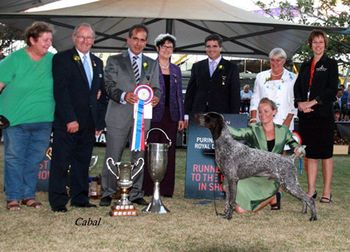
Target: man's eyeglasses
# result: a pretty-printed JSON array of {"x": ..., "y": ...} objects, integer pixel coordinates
[{"x": 85, "y": 38}]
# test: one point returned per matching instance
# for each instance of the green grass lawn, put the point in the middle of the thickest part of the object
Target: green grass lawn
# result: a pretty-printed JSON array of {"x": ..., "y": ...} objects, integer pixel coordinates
[{"x": 190, "y": 226}]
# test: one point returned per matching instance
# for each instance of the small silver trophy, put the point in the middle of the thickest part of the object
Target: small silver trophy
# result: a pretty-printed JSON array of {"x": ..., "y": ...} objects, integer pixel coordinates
[
  {"x": 157, "y": 158},
  {"x": 124, "y": 176}
]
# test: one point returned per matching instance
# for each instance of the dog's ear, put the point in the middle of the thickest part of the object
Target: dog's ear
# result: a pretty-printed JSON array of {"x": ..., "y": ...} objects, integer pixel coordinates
[{"x": 215, "y": 115}]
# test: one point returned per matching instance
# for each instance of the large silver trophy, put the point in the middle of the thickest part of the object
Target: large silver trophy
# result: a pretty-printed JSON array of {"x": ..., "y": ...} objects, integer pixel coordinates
[
  {"x": 157, "y": 158},
  {"x": 124, "y": 177}
]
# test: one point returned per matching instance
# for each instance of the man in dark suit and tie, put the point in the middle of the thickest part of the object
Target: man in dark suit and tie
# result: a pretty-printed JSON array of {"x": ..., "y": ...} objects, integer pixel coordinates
[
  {"x": 79, "y": 115},
  {"x": 214, "y": 83},
  {"x": 122, "y": 74}
]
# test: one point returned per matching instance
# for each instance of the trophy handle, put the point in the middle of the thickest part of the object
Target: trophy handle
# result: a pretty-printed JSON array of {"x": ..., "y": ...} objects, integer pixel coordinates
[
  {"x": 161, "y": 131},
  {"x": 136, "y": 164},
  {"x": 93, "y": 161},
  {"x": 110, "y": 169}
]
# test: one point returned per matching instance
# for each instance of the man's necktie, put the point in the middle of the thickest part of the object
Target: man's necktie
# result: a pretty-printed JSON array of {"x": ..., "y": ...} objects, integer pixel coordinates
[
  {"x": 212, "y": 67},
  {"x": 136, "y": 69},
  {"x": 87, "y": 69}
]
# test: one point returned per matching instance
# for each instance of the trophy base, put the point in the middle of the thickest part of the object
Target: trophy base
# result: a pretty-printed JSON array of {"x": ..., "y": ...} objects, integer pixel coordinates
[
  {"x": 123, "y": 210},
  {"x": 156, "y": 206}
]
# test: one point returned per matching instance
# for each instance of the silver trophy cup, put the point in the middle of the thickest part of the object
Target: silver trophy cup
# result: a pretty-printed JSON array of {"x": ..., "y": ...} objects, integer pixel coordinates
[
  {"x": 157, "y": 158},
  {"x": 124, "y": 176}
]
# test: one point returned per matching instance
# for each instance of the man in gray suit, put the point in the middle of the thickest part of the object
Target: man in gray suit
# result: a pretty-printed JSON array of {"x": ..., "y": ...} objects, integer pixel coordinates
[{"x": 122, "y": 74}]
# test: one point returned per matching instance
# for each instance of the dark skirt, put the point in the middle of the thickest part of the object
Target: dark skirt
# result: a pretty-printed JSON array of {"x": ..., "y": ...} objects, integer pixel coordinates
[
  {"x": 317, "y": 133},
  {"x": 168, "y": 183}
]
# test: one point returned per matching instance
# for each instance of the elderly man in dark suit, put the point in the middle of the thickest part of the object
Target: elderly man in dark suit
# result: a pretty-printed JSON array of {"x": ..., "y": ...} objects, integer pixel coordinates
[
  {"x": 79, "y": 116},
  {"x": 122, "y": 74},
  {"x": 214, "y": 83}
]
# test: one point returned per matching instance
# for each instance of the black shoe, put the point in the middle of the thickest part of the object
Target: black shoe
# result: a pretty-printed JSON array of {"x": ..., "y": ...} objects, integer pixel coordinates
[
  {"x": 61, "y": 209},
  {"x": 277, "y": 206},
  {"x": 106, "y": 201},
  {"x": 314, "y": 196},
  {"x": 83, "y": 205},
  {"x": 140, "y": 201},
  {"x": 326, "y": 200}
]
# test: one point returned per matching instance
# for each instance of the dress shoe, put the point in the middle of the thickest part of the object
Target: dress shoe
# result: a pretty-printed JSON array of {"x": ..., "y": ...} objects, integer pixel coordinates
[
  {"x": 60, "y": 209},
  {"x": 277, "y": 205},
  {"x": 83, "y": 205},
  {"x": 140, "y": 201},
  {"x": 326, "y": 199},
  {"x": 106, "y": 201}
]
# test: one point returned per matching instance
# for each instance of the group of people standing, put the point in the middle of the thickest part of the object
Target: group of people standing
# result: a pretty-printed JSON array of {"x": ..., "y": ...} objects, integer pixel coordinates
[
  {"x": 342, "y": 104},
  {"x": 73, "y": 94}
]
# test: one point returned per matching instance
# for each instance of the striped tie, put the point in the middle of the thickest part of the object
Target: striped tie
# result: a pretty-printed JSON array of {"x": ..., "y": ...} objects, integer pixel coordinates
[{"x": 136, "y": 69}]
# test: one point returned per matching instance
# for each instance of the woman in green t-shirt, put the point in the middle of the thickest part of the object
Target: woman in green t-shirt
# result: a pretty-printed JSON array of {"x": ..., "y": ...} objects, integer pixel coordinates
[{"x": 27, "y": 101}]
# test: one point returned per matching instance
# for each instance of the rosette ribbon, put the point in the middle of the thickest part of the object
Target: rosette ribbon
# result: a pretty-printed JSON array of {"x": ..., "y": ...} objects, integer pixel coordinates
[
  {"x": 138, "y": 134},
  {"x": 145, "y": 95}
]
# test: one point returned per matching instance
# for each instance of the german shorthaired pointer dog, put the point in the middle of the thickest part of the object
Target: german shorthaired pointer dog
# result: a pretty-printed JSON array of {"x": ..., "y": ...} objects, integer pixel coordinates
[{"x": 238, "y": 161}]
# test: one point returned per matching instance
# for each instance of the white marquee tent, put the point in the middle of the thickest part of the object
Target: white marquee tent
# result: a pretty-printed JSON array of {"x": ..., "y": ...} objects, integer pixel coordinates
[
  {"x": 245, "y": 34},
  {"x": 21, "y": 5}
]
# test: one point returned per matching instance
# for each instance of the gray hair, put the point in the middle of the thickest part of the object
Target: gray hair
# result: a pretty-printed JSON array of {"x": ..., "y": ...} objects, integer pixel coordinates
[
  {"x": 83, "y": 25},
  {"x": 277, "y": 52}
]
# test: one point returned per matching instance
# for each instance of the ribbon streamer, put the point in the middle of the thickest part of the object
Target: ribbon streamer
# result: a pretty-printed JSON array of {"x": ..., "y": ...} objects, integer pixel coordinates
[{"x": 138, "y": 135}]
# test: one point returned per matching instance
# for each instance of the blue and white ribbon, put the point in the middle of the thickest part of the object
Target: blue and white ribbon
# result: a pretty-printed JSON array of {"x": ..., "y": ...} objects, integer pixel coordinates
[{"x": 138, "y": 135}]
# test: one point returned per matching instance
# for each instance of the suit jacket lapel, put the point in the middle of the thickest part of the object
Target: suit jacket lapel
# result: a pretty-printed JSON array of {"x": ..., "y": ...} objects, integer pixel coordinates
[
  {"x": 94, "y": 70},
  {"x": 216, "y": 71},
  {"x": 279, "y": 139},
  {"x": 145, "y": 70},
  {"x": 128, "y": 65},
  {"x": 206, "y": 67},
  {"x": 261, "y": 138},
  {"x": 79, "y": 64}
]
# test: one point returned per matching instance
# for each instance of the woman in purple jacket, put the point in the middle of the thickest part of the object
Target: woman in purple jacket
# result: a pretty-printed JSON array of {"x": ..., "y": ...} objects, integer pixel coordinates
[{"x": 168, "y": 114}]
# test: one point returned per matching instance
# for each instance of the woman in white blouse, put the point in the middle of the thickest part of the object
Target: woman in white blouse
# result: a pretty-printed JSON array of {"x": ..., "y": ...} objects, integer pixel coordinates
[{"x": 276, "y": 84}]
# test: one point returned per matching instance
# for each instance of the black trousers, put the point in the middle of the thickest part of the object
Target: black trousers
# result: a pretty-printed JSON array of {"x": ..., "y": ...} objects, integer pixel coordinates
[{"x": 70, "y": 152}]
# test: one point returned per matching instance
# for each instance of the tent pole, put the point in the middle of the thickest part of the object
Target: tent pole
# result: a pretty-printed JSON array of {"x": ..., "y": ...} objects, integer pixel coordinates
[{"x": 169, "y": 26}]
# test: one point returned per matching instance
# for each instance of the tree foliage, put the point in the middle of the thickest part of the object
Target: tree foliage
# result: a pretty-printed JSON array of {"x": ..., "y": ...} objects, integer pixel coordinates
[
  {"x": 323, "y": 13},
  {"x": 7, "y": 36}
]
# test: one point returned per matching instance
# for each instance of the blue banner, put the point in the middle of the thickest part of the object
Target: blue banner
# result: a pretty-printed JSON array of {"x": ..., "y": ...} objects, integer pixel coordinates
[{"x": 203, "y": 177}]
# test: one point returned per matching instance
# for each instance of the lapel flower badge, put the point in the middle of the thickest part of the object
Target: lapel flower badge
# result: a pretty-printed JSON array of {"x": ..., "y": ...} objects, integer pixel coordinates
[
  {"x": 145, "y": 65},
  {"x": 221, "y": 67},
  {"x": 76, "y": 58},
  {"x": 94, "y": 63}
]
